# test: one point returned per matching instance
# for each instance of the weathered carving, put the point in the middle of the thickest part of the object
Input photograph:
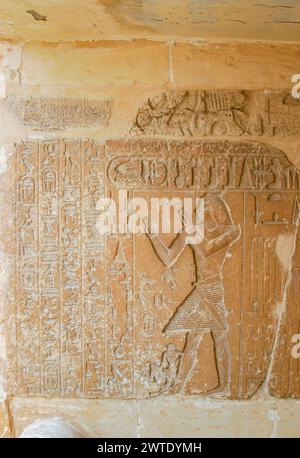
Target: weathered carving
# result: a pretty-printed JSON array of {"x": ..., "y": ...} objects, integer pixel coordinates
[
  {"x": 135, "y": 315},
  {"x": 204, "y": 309},
  {"x": 247, "y": 167},
  {"x": 284, "y": 113},
  {"x": 284, "y": 374},
  {"x": 219, "y": 113},
  {"x": 46, "y": 113}
]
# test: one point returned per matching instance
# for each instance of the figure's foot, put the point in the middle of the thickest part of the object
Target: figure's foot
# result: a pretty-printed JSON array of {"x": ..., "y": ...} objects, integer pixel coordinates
[
  {"x": 177, "y": 387},
  {"x": 174, "y": 389},
  {"x": 167, "y": 389},
  {"x": 218, "y": 392}
]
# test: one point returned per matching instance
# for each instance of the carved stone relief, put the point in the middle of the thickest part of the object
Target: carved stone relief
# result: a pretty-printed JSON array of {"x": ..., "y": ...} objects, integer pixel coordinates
[
  {"x": 45, "y": 113},
  {"x": 219, "y": 113},
  {"x": 139, "y": 315}
]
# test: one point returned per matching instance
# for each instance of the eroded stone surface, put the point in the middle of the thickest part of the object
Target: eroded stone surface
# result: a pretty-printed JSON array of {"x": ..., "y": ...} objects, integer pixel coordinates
[
  {"x": 115, "y": 316},
  {"x": 92, "y": 418},
  {"x": 99, "y": 19},
  {"x": 219, "y": 113},
  {"x": 285, "y": 375},
  {"x": 105, "y": 63},
  {"x": 45, "y": 113},
  {"x": 159, "y": 417}
]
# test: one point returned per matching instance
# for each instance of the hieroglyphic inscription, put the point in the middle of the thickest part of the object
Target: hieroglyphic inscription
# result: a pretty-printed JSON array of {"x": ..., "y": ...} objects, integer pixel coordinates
[
  {"x": 243, "y": 166},
  {"x": 120, "y": 343},
  {"x": 93, "y": 264},
  {"x": 257, "y": 182},
  {"x": 126, "y": 315},
  {"x": 46, "y": 113},
  {"x": 284, "y": 113},
  {"x": 219, "y": 113},
  {"x": 57, "y": 329},
  {"x": 49, "y": 265},
  {"x": 71, "y": 268},
  {"x": 27, "y": 269}
]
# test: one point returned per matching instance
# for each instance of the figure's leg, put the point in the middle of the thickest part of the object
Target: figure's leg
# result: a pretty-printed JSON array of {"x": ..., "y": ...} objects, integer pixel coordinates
[
  {"x": 187, "y": 362},
  {"x": 223, "y": 360}
]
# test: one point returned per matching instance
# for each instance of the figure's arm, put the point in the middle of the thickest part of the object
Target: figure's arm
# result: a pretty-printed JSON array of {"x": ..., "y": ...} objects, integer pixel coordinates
[
  {"x": 231, "y": 233},
  {"x": 168, "y": 255}
]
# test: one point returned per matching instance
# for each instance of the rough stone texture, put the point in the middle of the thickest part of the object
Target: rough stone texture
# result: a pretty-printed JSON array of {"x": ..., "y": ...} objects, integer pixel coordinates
[
  {"x": 5, "y": 430},
  {"x": 7, "y": 256},
  {"x": 10, "y": 59},
  {"x": 155, "y": 63},
  {"x": 91, "y": 311},
  {"x": 219, "y": 113},
  {"x": 105, "y": 418},
  {"x": 45, "y": 113},
  {"x": 285, "y": 376},
  {"x": 159, "y": 417},
  {"x": 184, "y": 19},
  {"x": 93, "y": 319},
  {"x": 240, "y": 66},
  {"x": 111, "y": 62},
  {"x": 288, "y": 424}
]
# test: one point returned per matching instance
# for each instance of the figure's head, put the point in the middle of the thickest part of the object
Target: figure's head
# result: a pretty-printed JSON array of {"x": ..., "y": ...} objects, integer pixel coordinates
[
  {"x": 239, "y": 100},
  {"x": 216, "y": 213}
]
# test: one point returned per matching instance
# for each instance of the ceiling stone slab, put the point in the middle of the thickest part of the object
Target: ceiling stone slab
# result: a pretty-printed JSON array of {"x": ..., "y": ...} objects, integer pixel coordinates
[{"x": 53, "y": 20}]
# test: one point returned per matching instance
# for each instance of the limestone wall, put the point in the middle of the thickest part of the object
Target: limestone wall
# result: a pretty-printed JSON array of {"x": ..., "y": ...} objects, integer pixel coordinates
[{"x": 82, "y": 316}]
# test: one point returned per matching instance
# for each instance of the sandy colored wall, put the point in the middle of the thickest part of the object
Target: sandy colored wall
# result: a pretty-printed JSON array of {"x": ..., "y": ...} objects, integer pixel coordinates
[{"x": 118, "y": 78}]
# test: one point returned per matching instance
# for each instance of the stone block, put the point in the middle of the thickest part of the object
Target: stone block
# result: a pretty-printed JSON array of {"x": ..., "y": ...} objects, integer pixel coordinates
[
  {"x": 105, "y": 63},
  {"x": 234, "y": 65}
]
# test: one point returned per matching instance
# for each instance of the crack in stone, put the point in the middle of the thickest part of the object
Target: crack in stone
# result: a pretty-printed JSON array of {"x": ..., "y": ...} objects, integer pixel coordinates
[
  {"x": 237, "y": 20},
  {"x": 10, "y": 416},
  {"x": 287, "y": 22},
  {"x": 37, "y": 16},
  {"x": 170, "y": 61},
  {"x": 274, "y": 6},
  {"x": 282, "y": 313}
]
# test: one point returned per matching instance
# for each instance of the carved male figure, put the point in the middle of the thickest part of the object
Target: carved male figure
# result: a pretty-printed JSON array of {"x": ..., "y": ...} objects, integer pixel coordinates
[{"x": 204, "y": 309}]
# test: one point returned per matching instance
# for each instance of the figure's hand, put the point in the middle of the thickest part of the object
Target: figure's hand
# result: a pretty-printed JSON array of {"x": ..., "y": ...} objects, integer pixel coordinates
[
  {"x": 236, "y": 231},
  {"x": 187, "y": 223}
]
